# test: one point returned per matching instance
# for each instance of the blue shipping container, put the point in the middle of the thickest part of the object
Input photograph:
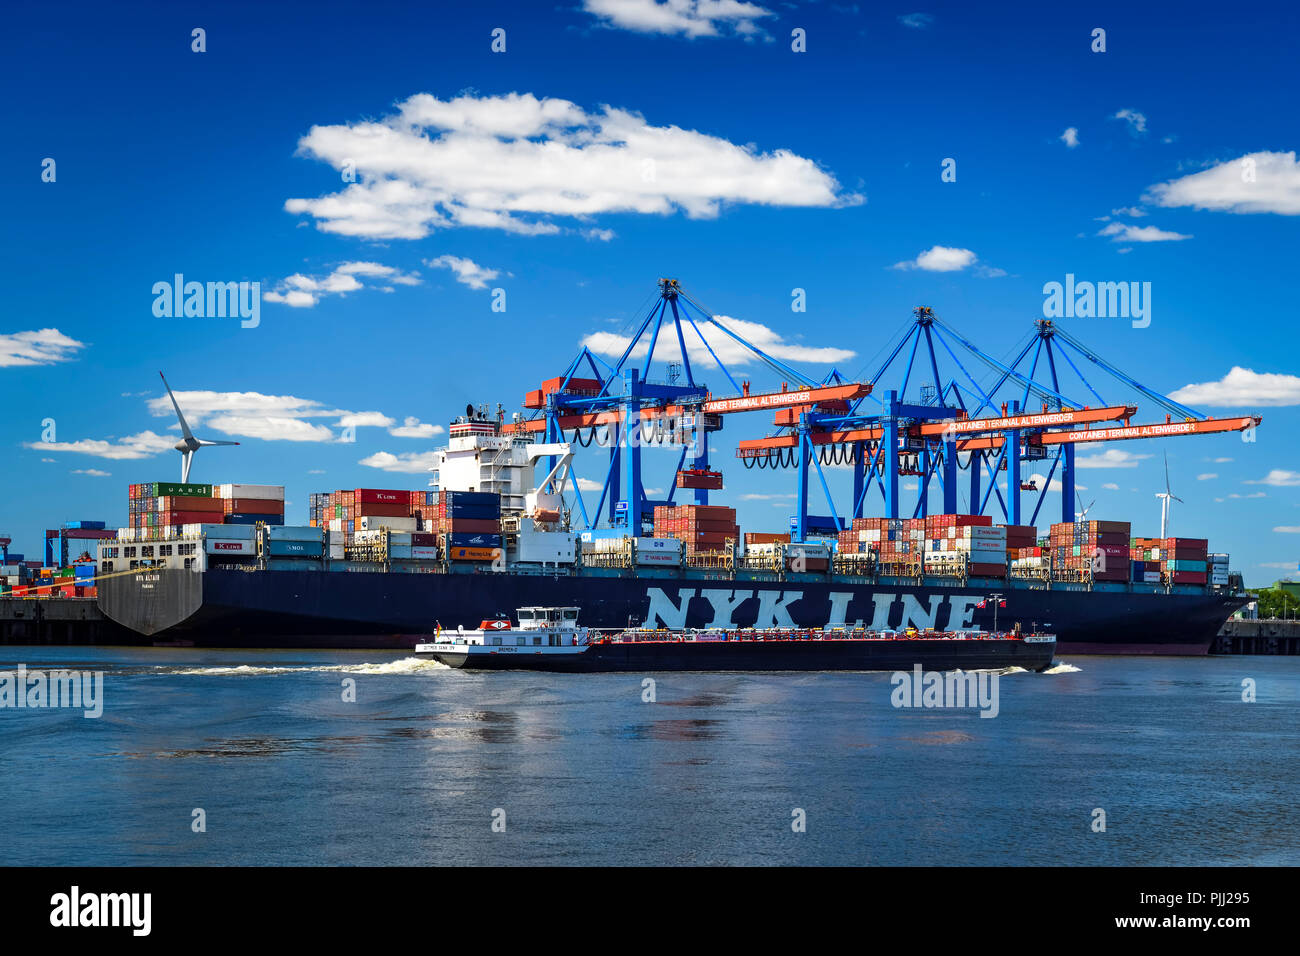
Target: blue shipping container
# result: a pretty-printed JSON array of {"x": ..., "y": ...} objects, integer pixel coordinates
[
  {"x": 254, "y": 519},
  {"x": 470, "y": 540},
  {"x": 294, "y": 549},
  {"x": 84, "y": 525},
  {"x": 472, "y": 498},
  {"x": 481, "y": 512}
]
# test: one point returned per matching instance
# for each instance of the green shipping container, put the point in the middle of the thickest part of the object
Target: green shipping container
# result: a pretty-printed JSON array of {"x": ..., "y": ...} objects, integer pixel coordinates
[{"x": 175, "y": 489}]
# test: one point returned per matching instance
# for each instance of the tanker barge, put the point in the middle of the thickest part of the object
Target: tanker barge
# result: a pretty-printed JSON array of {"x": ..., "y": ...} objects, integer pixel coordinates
[{"x": 550, "y": 639}]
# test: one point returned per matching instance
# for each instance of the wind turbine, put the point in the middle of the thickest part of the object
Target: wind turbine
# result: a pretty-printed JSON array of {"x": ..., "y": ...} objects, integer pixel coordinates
[
  {"x": 188, "y": 445},
  {"x": 1082, "y": 514},
  {"x": 1165, "y": 497}
]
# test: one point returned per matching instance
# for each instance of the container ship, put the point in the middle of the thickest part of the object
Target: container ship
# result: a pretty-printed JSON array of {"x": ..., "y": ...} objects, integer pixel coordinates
[{"x": 216, "y": 566}]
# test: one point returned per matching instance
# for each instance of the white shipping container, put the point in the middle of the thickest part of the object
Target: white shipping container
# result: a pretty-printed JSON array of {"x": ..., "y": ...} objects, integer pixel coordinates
[
  {"x": 336, "y": 524},
  {"x": 659, "y": 558},
  {"x": 336, "y": 551},
  {"x": 673, "y": 545},
  {"x": 228, "y": 546},
  {"x": 263, "y": 492},
  {"x": 424, "y": 554},
  {"x": 371, "y": 523},
  {"x": 1151, "y": 577}
]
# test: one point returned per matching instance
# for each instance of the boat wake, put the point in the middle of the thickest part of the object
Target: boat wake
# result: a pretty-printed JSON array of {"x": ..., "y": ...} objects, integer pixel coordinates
[
  {"x": 1062, "y": 668},
  {"x": 407, "y": 665}
]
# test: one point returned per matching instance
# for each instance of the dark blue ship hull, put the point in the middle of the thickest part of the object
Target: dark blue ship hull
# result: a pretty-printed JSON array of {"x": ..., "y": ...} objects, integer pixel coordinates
[{"x": 343, "y": 609}]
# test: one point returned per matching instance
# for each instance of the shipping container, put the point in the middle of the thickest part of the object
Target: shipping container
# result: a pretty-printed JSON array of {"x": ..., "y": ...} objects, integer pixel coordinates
[
  {"x": 294, "y": 533},
  {"x": 473, "y": 554},
  {"x": 295, "y": 548},
  {"x": 229, "y": 545},
  {"x": 258, "y": 492}
]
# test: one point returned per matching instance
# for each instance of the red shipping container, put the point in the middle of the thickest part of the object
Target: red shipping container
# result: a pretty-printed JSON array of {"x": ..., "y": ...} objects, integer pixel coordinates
[
  {"x": 382, "y": 496},
  {"x": 373, "y": 510},
  {"x": 175, "y": 518},
  {"x": 252, "y": 506},
  {"x": 470, "y": 525},
  {"x": 190, "y": 503}
]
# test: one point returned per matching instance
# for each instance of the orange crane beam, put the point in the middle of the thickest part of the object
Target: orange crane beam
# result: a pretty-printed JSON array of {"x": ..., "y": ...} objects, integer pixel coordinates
[
  {"x": 718, "y": 406},
  {"x": 1168, "y": 429},
  {"x": 757, "y": 447}
]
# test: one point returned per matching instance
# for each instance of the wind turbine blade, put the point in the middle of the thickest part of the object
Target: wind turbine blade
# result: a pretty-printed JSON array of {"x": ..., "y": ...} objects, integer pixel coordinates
[
  {"x": 185, "y": 429},
  {"x": 1167, "y": 488},
  {"x": 1176, "y": 498},
  {"x": 204, "y": 441}
]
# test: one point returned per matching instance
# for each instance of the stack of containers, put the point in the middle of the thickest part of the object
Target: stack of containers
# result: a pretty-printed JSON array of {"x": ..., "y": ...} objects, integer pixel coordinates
[
  {"x": 1218, "y": 570},
  {"x": 1099, "y": 548},
  {"x": 1187, "y": 560},
  {"x": 1145, "y": 562},
  {"x": 158, "y": 509},
  {"x": 285, "y": 541},
  {"x": 702, "y": 529},
  {"x": 972, "y": 542},
  {"x": 469, "y": 525},
  {"x": 765, "y": 537},
  {"x": 250, "y": 504}
]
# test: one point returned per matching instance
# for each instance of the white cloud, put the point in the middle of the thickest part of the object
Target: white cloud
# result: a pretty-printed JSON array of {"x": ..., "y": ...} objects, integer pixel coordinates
[
  {"x": 1132, "y": 211},
  {"x": 468, "y": 272},
  {"x": 1137, "y": 123},
  {"x": 144, "y": 445},
  {"x": 1253, "y": 494},
  {"x": 406, "y": 462},
  {"x": 604, "y": 235},
  {"x": 764, "y": 497},
  {"x": 1220, "y": 461},
  {"x": 1287, "y": 529},
  {"x": 1207, "y": 476},
  {"x": 691, "y": 18},
  {"x": 93, "y": 472},
  {"x": 510, "y": 162},
  {"x": 939, "y": 259},
  {"x": 1070, "y": 137},
  {"x": 37, "y": 347},
  {"x": 916, "y": 21},
  {"x": 586, "y": 484},
  {"x": 1110, "y": 458},
  {"x": 1279, "y": 478},
  {"x": 1110, "y": 486},
  {"x": 303, "y": 292},
  {"x": 268, "y": 417},
  {"x": 1121, "y": 232},
  {"x": 1242, "y": 387},
  {"x": 1224, "y": 188},
  {"x": 728, "y": 350},
  {"x": 412, "y": 427}
]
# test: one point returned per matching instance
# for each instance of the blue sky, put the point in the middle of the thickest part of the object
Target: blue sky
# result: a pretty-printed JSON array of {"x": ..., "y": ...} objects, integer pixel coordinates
[{"x": 524, "y": 170}]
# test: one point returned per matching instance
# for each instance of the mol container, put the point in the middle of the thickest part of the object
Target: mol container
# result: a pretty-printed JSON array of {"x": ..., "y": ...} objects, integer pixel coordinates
[{"x": 295, "y": 549}]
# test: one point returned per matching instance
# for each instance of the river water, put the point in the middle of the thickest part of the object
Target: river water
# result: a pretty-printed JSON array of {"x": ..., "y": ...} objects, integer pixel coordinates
[{"x": 256, "y": 757}]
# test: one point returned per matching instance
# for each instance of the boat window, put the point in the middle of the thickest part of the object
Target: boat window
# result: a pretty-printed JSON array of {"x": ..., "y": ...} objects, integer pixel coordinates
[
  {"x": 570, "y": 613},
  {"x": 537, "y": 640},
  {"x": 525, "y": 615},
  {"x": 520, "y": 641}
]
